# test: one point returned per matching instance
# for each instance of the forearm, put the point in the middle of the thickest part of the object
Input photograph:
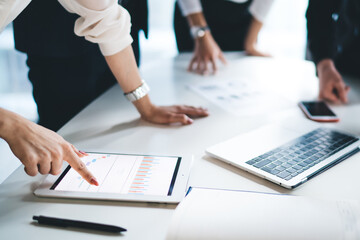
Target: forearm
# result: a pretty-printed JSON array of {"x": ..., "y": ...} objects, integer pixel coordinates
[
  {"x": 196, "y": 19},
  {"x": 124, "y": 68},
  {"x": 7, "y": 120},
  {"x": 252, "y": 34}
]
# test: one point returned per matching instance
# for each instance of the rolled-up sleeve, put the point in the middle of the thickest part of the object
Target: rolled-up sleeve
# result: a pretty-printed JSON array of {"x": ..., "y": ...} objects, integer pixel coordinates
[
  {"x": 101, "y": 21},
  {"x": 259, "y": 9},
  {"x": 9, "y": 10},
  {"x": 189, "y": 6}
]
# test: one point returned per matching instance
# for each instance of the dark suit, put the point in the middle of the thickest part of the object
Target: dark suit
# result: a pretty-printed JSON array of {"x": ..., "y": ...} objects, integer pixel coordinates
[
  {"x": 228, "y": 21},
  {"x": 67, "y": 72},
  {"x": 334, "y": 32}
]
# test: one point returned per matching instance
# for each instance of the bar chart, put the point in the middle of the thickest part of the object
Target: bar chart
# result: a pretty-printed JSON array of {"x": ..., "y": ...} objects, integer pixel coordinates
[
  {"x": 140, "y": 183},
  {"x": 153, "y": 176},
  {"x": 124, "y": 174}
]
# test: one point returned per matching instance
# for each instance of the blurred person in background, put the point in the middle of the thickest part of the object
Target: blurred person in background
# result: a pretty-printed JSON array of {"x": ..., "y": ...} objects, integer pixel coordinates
[
  {"x": 334, "y": 45},
  {"x": 208, "y": 27}
]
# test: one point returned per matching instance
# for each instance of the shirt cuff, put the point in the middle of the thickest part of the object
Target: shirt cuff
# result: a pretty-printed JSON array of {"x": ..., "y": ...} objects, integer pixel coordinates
[
  {"x": 9, "y": 10},
  {"x": 108, "y": 26},
  {"x": 113, "y": 47},
  {"x": 259, "y": 9},
  {"x": 189, "y": 6}
]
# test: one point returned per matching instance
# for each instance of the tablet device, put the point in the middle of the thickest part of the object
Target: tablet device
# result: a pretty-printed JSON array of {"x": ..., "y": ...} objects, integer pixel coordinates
[{"x": 123, "y": 177}]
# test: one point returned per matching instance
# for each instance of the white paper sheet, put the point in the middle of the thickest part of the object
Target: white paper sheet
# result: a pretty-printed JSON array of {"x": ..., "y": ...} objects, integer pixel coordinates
[
  {"x": 225, "y": 214},
  {"x": 242, "y": 98}
]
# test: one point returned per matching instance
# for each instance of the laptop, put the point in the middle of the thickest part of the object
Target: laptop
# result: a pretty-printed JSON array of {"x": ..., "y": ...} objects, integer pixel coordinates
[{"x": 287, "y": 154}]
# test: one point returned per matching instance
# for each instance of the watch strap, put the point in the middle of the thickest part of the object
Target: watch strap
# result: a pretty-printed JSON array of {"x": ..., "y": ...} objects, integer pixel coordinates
[
  {"x": 138, "y": 93},
  {"x": 198, "y": 31}
]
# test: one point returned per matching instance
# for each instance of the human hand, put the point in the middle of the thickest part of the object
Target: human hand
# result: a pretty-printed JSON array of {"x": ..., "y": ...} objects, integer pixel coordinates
[
  {"x": 168, "y": 114},
  {"x": 40, "y": 149},
  {"x": 206, "y": 53},
  {"x": 174, "y": 114},
  {"x": 252, "y": 50},
  {"x": 331, "y": 85}
]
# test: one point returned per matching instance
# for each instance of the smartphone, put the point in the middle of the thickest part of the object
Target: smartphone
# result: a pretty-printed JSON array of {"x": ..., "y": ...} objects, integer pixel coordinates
[{"x": 318, "y": 111}]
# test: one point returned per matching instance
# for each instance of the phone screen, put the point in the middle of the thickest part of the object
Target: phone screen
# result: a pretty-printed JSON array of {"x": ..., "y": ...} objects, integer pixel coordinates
[{"x": 318, "y": 109}]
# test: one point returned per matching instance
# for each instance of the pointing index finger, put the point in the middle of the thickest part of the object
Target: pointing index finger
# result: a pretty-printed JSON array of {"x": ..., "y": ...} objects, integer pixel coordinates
[{"x": 76, "y": 163}]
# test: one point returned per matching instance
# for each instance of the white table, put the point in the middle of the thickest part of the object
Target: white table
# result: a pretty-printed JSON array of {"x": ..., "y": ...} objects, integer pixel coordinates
[{"x": 111, "y": 124}]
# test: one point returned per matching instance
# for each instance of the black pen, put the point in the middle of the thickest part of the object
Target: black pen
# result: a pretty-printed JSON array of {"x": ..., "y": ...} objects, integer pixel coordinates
[{"x": 77, "y": 224}]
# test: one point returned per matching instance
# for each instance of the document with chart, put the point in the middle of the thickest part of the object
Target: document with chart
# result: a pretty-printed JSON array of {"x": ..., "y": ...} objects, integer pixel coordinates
[
  {"x": 242, "y": 98},
  {"x": 131, "y": 175}
]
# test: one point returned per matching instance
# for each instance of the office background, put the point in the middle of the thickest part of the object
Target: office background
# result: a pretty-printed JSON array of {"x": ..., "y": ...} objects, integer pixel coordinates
[{"x": 284, "y": 35}]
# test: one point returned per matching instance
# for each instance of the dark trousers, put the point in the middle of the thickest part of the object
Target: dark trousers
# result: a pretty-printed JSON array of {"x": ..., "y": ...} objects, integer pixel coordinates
[
  {"x": 228, "y": 21},
  {"x": 63, "y": 86}
]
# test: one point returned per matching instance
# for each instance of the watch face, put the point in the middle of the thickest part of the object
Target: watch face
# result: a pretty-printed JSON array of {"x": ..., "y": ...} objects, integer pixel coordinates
[
  {"x": 198, "y": 32},
  {"x": 201, "y": 33}
]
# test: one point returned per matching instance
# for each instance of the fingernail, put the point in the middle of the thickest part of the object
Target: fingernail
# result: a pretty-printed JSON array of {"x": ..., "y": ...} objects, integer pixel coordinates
[
  {"x": 93, "y": 181},
  {"x": 190, "y": 121},
  {"x": 84, "y": 153}
]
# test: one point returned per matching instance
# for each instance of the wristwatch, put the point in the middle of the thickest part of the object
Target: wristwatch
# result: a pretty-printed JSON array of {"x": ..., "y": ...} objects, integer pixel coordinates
[
  {"x": 198, "y": 31},
  {"x": 138, "y": 93}
]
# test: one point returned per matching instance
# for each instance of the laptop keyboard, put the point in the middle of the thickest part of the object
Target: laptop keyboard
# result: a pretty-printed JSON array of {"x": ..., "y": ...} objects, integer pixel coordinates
[{"x": 296, "y": 156}]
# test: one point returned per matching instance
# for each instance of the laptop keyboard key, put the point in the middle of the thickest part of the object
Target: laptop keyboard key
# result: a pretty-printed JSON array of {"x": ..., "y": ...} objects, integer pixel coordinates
[
  {"x": 302, "y": 164},
  {"x": 277, "y": 163},
  {"x": 308, "y": 161},
  {"x": 283, "y": 174},
  {"x": 271, "y": 165},
  {"x": 272, "y": 158},
  {"x": 288, "y": 178},
  {"x": 274, "y": 171},
  {"x": 286, "y": 165},
  {"x": 294, "y": 174},
  {"x": 251, "y": 162},
  {"x": 291, "y": 170},
  {"x": 280, "y": 168},
  {"x": 257, "y": 159},
  {"x": 297, "y": 167},
  {"x": 262, "y": 163},
  {"x": 266, "y": 169}
]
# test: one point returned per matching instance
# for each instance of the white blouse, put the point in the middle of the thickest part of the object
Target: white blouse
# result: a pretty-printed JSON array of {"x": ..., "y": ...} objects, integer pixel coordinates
[
  {"x": 101, "y": 21},
  {"x": 258, "y": 8}
]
